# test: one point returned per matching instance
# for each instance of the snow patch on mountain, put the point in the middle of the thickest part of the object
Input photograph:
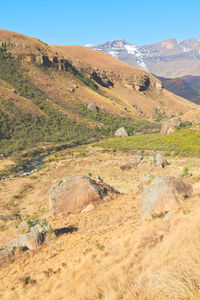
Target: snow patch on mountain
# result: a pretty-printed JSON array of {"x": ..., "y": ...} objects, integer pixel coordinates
[
  {"x": 181, "y": 46},
  {"x": 113, "y": 53},
  {"x": 138, "y": 55}
]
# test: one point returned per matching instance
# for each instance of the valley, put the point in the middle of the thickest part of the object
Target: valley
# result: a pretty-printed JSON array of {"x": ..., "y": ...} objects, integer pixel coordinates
[{"x": 99, "y": 173}]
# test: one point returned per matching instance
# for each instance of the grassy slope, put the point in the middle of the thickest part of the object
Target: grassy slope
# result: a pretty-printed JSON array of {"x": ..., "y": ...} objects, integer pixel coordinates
[
  {"x": 183, "y": 142},
  {"x": 114, "y": 254}
]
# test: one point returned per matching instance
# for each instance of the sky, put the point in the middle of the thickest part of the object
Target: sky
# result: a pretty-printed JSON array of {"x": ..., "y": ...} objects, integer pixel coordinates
[{"x": 77, "y": 22}]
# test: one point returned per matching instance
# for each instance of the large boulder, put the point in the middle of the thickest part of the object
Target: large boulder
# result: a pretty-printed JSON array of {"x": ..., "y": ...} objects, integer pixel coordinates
[
  {"x": 170, "y": 126},
  {"x": 131, "y": 162},
  {"x": 121, "y": 132},
  {"x": 161, "y": 160},
  {"x": 164, "y": 194},
  {"x": 76, "y": 192}
]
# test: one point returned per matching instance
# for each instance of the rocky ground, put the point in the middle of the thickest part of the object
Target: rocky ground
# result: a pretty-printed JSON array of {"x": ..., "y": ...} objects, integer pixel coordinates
[{"x": 112, "y": 251}]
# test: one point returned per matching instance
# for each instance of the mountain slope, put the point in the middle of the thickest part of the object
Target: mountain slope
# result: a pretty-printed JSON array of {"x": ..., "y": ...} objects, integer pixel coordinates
[
  {"x": 45, "y": 90},
  {"x": 187, "y": 87},
  {"x": 169, "y": 58},
  {"x": 133, "y": 85}
]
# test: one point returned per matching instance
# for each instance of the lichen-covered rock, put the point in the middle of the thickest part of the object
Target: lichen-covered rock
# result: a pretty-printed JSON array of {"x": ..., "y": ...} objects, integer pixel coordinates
[
  {"x": 121, "y": 132},
  {"x": 164, "y": 194},
  {"x": 131, "y": 162},
  {"x": 30, "y": 240},
  {"x": 144, "y": 182}
]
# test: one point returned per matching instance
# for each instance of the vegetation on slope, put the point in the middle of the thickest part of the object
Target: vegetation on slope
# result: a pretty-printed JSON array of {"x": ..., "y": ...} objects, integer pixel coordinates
[
  {"x": 183, "y": 142},
  {"x": 20, "y": 130}
]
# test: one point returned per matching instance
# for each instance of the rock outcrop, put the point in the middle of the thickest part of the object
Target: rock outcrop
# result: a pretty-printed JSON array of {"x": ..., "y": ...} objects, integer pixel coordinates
[
  {"x": 131, "y": 162},
  {"x": 164, "y": 194},
  {"x": 76, "y": 192},
  {"x": 121, "y": 132}
]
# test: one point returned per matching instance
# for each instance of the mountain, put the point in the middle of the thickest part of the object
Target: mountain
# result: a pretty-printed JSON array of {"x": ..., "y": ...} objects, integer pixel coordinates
[
  {"x": 187, "y": 87},
  {"x": 45, "y": 90},
  {"x": 169, "y": 58}
]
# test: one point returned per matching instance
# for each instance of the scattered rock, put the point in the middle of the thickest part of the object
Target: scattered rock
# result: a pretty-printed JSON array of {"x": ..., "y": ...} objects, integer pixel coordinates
[
  {"x": 23, "y": 227},
  {"x": 161, "y": 161},
  {"x": 92, "y": 107},
  {"x": 170, "y": 126},
  {"x": 5, "y": 254},
  {"x": 121, "y": 132},
  {"x": 88, "y": 208},
  {"x": 131, "y": 162},
  {"x": 76, "y": 192},
  {"x": 30, "y": 240},
  {"x": 164, "y": 194},
  {"x": 71, "y": 90}
]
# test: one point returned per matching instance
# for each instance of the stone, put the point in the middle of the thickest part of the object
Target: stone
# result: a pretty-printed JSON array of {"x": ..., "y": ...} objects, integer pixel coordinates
[
  {"x": 170, "y": 126},
  {"x": 161, "y": 161},
  {"x": 41, "y": 226},
  {"x": 121, "y": 132},
  {"x": 30, "y": 240},
  {"x": 74, "y": 193},
  {"x": 5, "y": 254},
  {"x": 163, "y": 195},
  {"x": 23, "y": 227},
  {"x": 131, "y": 162},
  {"x": 92, "y": 107},
  {"x": 88, "y": 208}
]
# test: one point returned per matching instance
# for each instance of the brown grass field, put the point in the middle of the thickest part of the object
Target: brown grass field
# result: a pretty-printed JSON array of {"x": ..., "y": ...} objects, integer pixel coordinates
[{"x": 113, "y": 253}]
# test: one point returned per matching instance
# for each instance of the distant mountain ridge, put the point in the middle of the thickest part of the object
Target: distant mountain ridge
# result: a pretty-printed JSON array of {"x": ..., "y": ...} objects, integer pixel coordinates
[
  {"x": 187, "y": 87},
  {"x": 169, "y": 58}
]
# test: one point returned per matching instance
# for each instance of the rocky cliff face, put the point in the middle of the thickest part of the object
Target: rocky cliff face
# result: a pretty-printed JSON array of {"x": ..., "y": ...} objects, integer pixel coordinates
[
  {"x": 103, "y": 77},
  {"x": 39, "y": 55}
]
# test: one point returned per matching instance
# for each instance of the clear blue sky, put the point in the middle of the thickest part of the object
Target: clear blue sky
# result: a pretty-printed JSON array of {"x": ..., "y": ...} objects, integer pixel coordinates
[{"x": 79, "y": 22}]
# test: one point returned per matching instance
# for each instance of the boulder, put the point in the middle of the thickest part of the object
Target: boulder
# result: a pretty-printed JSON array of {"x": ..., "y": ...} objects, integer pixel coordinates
[
  {"x": 74, "y": 193},
  {"x": 170, "y": 126},
  {"x": 161, "y": 161},
  {"x": 30, "y": 240},
  {"x": 164, "y": 194},
  {"x": 131, "y": 162},
  {"x": 121, "y": 132},
  {"x": 92, "y": 107},
  {"x": 23, "y": 227}
]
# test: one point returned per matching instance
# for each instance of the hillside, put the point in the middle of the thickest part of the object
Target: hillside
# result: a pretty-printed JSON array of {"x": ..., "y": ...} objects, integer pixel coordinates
[
  {"x": 45, "y": 90},
  {"x": 129, "y": 83},
  {"x": 187, "y": 87},
  {"x": 52, "y": 143},
  {"x": 110, "y": 252},
  {"x": 168, "y": 58}
]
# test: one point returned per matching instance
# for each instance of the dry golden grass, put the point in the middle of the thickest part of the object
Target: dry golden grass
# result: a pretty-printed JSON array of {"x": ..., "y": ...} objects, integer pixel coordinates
[{"x": 114, "y": 254}]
